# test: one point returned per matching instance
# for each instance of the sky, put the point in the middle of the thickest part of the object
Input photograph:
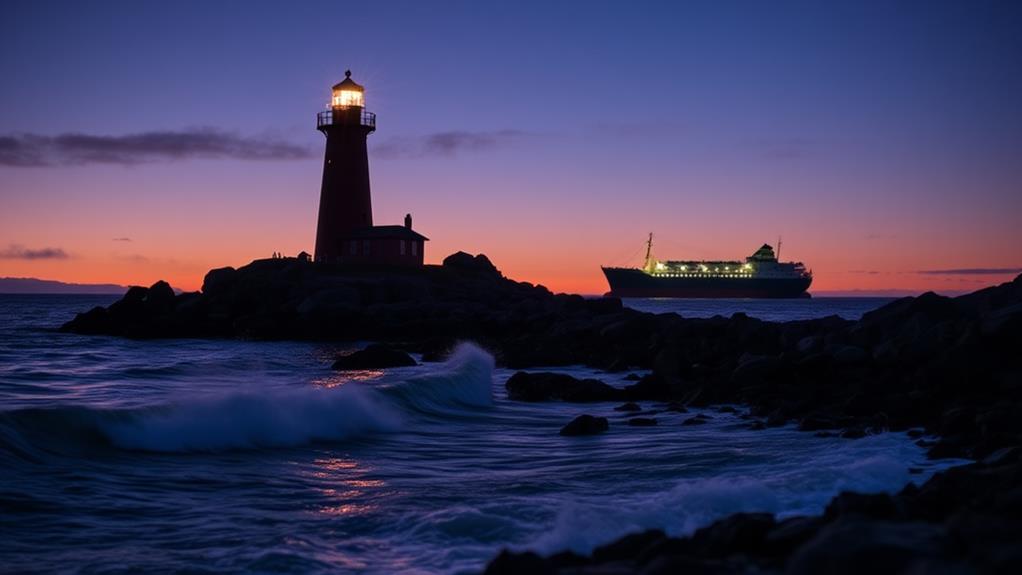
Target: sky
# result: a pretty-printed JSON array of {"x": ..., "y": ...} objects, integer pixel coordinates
[{"x": 882, "y": 140}]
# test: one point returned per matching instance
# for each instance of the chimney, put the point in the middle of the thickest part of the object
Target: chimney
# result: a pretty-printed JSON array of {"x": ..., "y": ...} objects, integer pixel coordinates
[{"x": 408, "y": 221}]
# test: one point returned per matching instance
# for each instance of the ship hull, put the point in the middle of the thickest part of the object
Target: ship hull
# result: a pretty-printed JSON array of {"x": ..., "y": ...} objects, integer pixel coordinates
[{"x": 630, "y": 282}]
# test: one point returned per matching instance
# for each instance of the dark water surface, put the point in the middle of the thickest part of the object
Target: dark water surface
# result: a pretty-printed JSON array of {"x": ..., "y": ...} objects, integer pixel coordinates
[
  {"x": 765, "y": 309},
  {"x": 235, "y": 456}
]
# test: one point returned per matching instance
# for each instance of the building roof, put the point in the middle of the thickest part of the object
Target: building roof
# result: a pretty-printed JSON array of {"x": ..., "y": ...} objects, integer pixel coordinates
[
  {"x": 348, "y": 84},
  {"x": 385, "y": 232}
]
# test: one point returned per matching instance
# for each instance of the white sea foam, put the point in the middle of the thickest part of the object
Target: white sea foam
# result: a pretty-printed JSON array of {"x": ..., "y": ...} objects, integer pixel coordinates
[
  {"x": 802, "y": 487},
  {"x": 280, "y": 418}
]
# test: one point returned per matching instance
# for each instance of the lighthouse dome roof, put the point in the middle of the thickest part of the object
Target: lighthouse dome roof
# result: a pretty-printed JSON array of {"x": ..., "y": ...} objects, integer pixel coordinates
[{"x": 348, "y": 84}]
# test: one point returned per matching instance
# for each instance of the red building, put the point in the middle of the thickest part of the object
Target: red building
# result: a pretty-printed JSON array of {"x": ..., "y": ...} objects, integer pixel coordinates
[{"x": 345, "y": 232}]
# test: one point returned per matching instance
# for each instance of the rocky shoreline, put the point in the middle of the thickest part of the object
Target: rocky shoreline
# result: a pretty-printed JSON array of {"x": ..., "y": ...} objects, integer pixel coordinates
[{"x": 931, "y": 364}]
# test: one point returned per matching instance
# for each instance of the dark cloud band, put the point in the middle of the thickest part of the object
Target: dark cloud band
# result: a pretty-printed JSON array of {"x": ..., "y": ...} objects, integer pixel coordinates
[
  {"x": 445, "y": 144},
  {"x": 19, "y": 252},
  {"x": 28, "y": 150}
]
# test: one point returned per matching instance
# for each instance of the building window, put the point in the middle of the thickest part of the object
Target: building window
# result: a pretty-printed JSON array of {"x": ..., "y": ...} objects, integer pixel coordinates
[
  {"x": 403, "y": 247},
  {"x": 415, "y": 248},
  {"x": 365, "y": 247},
  {"x": 352, "y": 248}
]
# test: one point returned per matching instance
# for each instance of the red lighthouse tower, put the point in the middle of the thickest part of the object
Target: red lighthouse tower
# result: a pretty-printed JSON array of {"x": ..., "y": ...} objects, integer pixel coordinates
[{"x": 345, "y": 231}]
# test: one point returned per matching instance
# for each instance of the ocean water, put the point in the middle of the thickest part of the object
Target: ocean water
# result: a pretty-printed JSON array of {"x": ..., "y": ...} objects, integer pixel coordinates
[
  {"x": 235, "y": 456},
  {"x": 766, "y": 309}
]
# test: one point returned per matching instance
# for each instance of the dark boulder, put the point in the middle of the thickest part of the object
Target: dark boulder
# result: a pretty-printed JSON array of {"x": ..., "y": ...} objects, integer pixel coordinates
[
  {"x": 545, "y": 386},
  {"x": 629, "y": 546},
  {"x": 479, "y": 264},
  {"x": 160, "y": 297},
  {"x": 375, "y": 356},
  {"x": 585, "y": 425},
  {"x": 857, "y": 546},
  {"x": 510, "y": 563},
  {"x": 738, "y": 533},
  {"x": 219, "y": 281},
  {"x": 872, "y": 506},
  {"x": 630, "y": 406}
]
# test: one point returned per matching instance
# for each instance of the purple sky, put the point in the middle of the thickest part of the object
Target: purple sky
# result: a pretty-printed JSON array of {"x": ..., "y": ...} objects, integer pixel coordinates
[{"x": 882, "y": 139}]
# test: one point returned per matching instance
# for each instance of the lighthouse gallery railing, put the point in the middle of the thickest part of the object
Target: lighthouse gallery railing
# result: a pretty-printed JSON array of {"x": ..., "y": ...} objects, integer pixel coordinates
[{"x": 327, "y": 118}]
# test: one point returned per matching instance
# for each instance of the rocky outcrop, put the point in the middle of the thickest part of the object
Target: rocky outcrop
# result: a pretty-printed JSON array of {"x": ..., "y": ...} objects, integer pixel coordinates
[
  {"x": 427, "y": 309},
  {"x": 545, "y": 386},
  {"x": 585, "y": 425},
  {"x": 943, "y": 364},
  {"x": 375, "y": 356}
]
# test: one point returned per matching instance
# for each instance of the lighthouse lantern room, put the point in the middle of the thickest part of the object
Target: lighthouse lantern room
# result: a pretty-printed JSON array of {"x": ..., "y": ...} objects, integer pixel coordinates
[{"x": 348, "y": 93}]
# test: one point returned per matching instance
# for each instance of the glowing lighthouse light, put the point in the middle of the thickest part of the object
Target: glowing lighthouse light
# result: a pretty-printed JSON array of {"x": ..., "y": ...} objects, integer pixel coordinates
[{"x": 347, "y": 93}]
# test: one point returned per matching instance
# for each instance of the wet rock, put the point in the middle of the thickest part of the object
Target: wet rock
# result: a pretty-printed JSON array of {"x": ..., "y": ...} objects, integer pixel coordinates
[
  {"x": 510, "y": 563},
  {"x": 649, "y": 387},
  {"x": 585, "y": 425},
  {"x": 629, "y": 546},
  {"x": 848, "y": 355},
  {"x": 873, "y": 506},
  {"x": 816, "y": 423},
  {"x": 738, "y": 533},
  {"x": 545, "y": 386},
  {"x": 853, "y": 433},
  {"x": 375, "y": 356},
  {"x": 857, "y": 546},
  {"x": 630, "y": 406},
  {"x": 787, "y": 535}
]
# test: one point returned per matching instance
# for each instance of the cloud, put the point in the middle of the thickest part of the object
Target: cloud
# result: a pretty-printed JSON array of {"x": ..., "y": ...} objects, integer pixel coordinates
[
  {"x": 973, "y": 272},
  {"x": 446, "y": 144},
  {"x": 31, "y": 150},
  {"x": 121, "y": 240},
  {"x": 19, "y": 252}
]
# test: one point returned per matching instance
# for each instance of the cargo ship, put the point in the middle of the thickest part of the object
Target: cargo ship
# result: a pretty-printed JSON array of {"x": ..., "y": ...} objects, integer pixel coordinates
[{"x": 761, "y": 275}]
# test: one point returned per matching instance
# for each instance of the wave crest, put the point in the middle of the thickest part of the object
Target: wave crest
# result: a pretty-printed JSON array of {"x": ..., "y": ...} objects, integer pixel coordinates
[{"x": 256, "y": 419}]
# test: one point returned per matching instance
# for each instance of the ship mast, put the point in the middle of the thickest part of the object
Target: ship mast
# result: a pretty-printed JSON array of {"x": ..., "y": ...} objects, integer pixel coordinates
[{"x": 649, "y": 265}]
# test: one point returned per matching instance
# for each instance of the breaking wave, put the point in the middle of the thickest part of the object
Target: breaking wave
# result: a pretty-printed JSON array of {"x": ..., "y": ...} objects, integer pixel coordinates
[{"x": 257, "y": 419}]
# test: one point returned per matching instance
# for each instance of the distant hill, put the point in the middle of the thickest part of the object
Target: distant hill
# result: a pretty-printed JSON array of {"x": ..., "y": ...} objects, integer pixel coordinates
[{"x": 35, "y": 285}]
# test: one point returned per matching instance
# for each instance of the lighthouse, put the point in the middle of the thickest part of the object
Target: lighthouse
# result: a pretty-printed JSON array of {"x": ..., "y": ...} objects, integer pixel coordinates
[{"x": 345, "y": 231}]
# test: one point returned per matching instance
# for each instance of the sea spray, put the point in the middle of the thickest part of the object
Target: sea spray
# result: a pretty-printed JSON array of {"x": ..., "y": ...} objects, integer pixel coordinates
[{"x": 466, "y": 381}]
